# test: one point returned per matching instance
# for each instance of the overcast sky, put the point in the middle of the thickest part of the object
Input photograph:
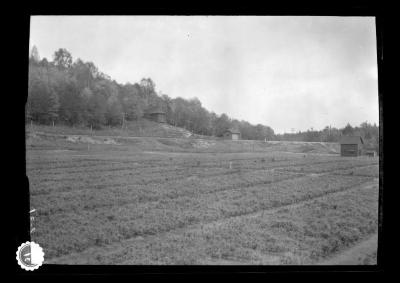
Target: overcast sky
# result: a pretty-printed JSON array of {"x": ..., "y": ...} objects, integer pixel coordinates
[{"x": 284, "y": 72}]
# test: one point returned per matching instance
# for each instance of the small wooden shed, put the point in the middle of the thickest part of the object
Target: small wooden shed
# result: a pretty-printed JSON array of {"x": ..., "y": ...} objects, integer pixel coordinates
[
  {"x": 232, "y": 134},
  {"x": 156, "y": 115},
  {"x": 351, "y": 145}
]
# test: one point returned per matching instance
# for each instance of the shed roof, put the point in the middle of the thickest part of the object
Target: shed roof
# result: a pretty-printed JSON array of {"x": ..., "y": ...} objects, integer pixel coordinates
[
  {"x": 154, "y": 110},
  {"x": 351, "y": 140},
  {"x": 233, "y": 131}
]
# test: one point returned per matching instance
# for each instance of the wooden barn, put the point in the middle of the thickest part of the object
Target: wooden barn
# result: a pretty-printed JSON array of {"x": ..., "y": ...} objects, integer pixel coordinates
[
  {"x": 156, "y": 115},
  {"x": 351, "y": 145},
  {"x": 231, "y": 134}
]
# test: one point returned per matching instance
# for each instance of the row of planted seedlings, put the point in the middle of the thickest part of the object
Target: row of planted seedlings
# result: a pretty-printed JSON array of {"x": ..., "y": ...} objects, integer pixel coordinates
[
  {"x": 67, "y": 161},
  {"x": 106, "y": 191},
  {"x": 105, "y": 174},
  {"x": 119, "y": 177},
  {"x": 306, "y": 233},
  {"x": 70, "y": 165},
  {"x": 102, "y": 165},
  {"x": 76, "y": 230},
  {"x": 276, "y": 162},
  {"x": 296, "y": 235},
  {"x": 324, "y": 167},
  {"x": 99, "y": 176},
  {"x": 367, "y": 171},
  {"x": 97, "y": 162},
  {"x": 263, "y": 163}
]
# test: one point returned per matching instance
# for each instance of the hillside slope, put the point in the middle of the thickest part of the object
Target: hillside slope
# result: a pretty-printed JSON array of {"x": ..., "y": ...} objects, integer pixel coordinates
[
  {"x": 140, "y": 128},
  {"x": 150, "y": 136}
]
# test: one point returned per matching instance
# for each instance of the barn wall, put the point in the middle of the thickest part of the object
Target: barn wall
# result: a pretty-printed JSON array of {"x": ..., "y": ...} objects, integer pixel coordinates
[
  {"x": 235, "y": 136},
  {"x": 349, "y": 149},
  {"x": 227, "y": 136}
]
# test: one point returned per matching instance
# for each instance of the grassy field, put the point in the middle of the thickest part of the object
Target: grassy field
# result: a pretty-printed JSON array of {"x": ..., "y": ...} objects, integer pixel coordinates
[{"x": 165, "y": 201}]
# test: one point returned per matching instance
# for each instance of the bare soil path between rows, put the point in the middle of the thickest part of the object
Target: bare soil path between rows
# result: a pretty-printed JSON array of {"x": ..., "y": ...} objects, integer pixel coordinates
[{"x": 362, "y": 253}]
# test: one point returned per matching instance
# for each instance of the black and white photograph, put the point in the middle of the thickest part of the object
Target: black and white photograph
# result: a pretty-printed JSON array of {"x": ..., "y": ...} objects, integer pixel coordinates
[{"x": 203, "y": 140}]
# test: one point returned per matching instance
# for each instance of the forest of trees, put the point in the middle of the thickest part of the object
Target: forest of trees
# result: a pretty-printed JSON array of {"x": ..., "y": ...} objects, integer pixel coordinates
[{"x": 68, "y": 92}]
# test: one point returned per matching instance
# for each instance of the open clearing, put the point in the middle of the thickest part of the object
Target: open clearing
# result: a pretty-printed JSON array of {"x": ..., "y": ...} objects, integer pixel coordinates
[{"x": 167, "y": 201}]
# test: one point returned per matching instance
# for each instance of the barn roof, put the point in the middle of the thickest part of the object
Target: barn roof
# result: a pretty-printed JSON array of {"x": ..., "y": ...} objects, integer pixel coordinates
[
  {"x": 351, "y": 140},
  {"x": 154, "y": 110},
  {"x": 233, "y": 131}
]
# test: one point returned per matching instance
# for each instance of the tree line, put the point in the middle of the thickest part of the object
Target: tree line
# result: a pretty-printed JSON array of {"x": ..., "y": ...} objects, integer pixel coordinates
[
  {"x": 69, "y": 92},
  {"x": 369, "y": 133},
  {"x": 75, "y": 92}
]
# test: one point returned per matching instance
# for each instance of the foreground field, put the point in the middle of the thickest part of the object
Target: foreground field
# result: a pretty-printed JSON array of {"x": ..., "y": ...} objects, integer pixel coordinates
[{"x": 113, "y": 204}]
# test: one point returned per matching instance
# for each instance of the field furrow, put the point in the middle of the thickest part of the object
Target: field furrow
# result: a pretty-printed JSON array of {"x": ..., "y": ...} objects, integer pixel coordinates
[
  {"x": 367, "y": 171},
  {"x": 167, "y": 214},
  {"x": 121, "y": 194},
  {"x": 115, "y": 204},
  {"x": 305, "y": 233}
]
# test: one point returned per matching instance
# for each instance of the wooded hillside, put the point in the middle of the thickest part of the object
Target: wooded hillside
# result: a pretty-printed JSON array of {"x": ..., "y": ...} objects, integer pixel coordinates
[{"x": 68, "y": 92}]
